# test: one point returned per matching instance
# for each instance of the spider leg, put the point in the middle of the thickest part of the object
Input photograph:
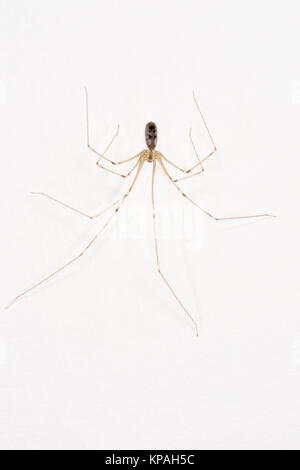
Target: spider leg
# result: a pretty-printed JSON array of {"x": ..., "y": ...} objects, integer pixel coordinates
[
  {"x": 200, "y": 161},
  {"x": 204, "y": 210},
  {"x": 183, "y": 171},
  {"x": 157, "y": 255},
  {"x": 188, "y": 172},
  {"x": 121, "y": 201},
  {"x": 195, "y": 150},
  {"x": 116, "y": 172},
  {"x": 102, "y": 155},
  {"x": 171, "y": 163},
  {"x": 87, "y": 126},
  {"x": 77, "y": 210},
  {"x": 209, "y": 133}
]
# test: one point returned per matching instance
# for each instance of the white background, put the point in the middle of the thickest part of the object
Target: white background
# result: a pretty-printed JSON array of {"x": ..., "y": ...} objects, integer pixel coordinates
[{"x": 102, "y": 356}]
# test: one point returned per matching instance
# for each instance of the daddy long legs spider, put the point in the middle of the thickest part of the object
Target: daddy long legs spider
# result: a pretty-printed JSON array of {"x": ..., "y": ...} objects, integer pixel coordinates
[{"x": 153, "y": 156}]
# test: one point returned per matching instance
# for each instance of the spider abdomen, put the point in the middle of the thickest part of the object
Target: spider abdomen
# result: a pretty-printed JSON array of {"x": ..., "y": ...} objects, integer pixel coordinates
[{"x": 151, "y": 135}]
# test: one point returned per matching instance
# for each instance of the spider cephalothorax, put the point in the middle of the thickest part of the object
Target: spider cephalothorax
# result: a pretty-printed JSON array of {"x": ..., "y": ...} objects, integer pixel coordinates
[{"x": 149, "y": 155}]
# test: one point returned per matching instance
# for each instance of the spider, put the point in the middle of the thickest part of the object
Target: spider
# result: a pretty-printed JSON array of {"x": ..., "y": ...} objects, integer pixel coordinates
[{"x": 151, "y": 155}]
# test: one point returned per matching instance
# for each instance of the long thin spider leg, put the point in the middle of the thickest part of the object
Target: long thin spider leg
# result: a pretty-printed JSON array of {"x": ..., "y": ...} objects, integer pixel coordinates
[
  {"x": 187, "y": 172},
  {"x": 200, "y": 161},
  {"x": 87, "y": 246},
  {"x": 195, "y": 166},
  {"x": 113, "y": 162},
  {"x": 87, "y": 126},
  {"x": 171, "y": 163},
  {"x": 116, "y": 172},
  {"x": 102, "y": 155},
  {"x": 157, "y": 255},
  {"x": 195, "y": 150},
  {"x": 208, "y": 131},
  {"x": 204, "y": 210},
  {"x": 77, "y": 210},
  {"x": 190, "y": 175},
  {"x": 183, "y": 171},
  {"x": 114, "y": 137}
]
